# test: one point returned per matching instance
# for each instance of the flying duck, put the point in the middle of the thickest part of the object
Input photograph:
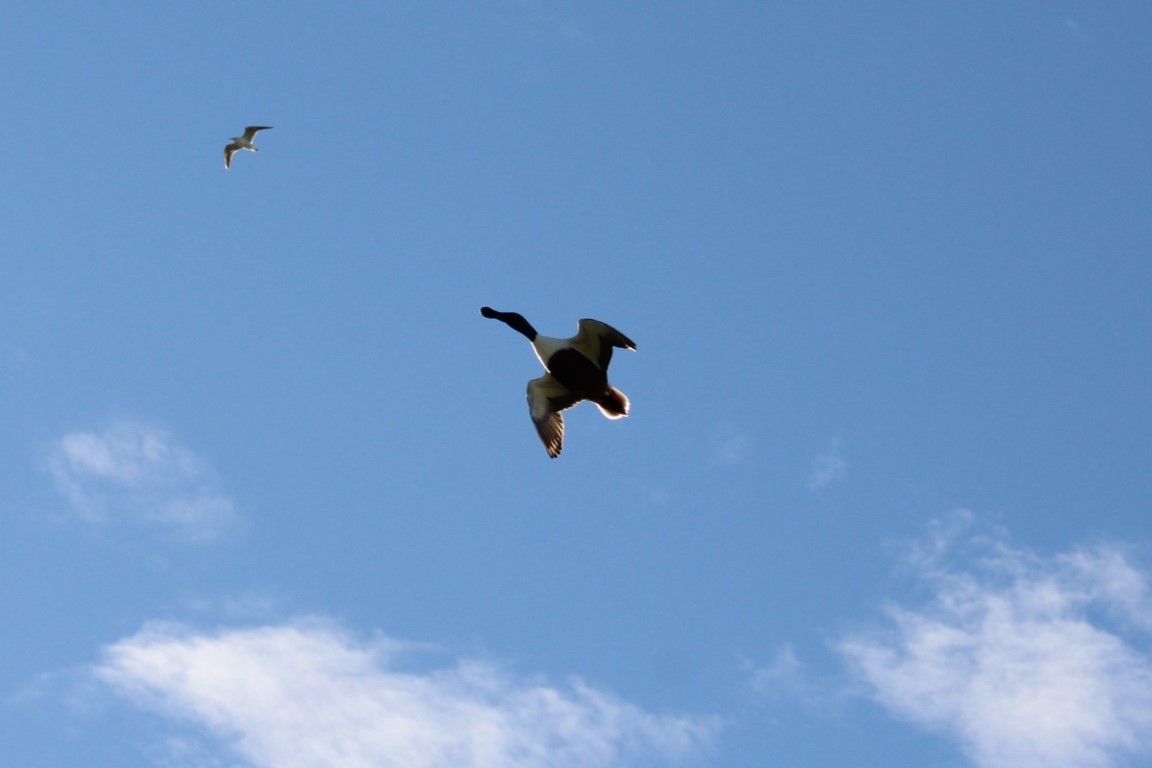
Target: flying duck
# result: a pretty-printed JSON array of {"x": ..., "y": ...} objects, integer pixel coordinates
[
  {"x": 243, "y": 142},
  {"x": 577, "y": 369}
]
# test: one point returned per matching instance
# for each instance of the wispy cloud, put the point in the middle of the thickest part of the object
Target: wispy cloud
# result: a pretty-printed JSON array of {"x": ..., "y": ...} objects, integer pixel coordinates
[
  {"x": 14, "y": 357},
  {"x": 1024, "y": 660},
  {"x": 138, "y": 473},
  {"x": 781, "y": 672},
  {"x": 786, "y": 681},
  {"x": 829, "y": 466},
  {"x": 784, "y": 676},
  {"x": 729, "y": 448},
  {"x": 307, "y": 694},
  {"x": 547, "y": 19}
]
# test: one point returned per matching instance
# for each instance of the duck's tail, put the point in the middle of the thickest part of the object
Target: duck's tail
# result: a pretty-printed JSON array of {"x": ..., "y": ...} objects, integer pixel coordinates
[{"x": 613, "y": 403}]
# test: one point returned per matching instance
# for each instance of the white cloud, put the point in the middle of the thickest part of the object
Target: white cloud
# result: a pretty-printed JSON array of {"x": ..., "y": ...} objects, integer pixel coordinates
[
  {"x": 306, "y": 695},
  {"x": 1026, "y": 661},
  {"x": 135, "y": 472},
  {"x": 828, "y": 466}
]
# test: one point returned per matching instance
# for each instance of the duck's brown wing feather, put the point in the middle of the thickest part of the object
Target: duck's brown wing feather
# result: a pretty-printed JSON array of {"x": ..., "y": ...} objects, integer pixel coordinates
[
  {"x": 546, "y": 399},
  {"x": 596, "y": 340}
]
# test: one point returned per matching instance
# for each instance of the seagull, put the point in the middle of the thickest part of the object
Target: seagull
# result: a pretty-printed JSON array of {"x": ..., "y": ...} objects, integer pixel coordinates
[{"x": 243, "y": 142}]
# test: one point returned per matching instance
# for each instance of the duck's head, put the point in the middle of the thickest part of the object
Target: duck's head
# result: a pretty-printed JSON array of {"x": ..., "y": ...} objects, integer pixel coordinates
[{"x": 513, "y": 320}]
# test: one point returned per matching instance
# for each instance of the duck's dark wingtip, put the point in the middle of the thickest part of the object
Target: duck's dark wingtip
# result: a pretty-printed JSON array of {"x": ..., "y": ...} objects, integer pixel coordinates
[{"x": 488, "y": 312}]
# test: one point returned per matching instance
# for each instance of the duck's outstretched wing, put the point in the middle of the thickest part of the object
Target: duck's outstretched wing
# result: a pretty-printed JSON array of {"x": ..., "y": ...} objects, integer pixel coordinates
[
  {"x": 250, "y": 131},
  {"x": 546, "y": 399},
  {"x": 230, "y": 150},
  {"x": 596, "y": 340}
]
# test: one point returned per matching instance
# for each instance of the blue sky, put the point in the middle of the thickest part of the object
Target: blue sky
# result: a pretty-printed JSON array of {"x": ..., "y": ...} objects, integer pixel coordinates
[{"x": 271, "y": 493}]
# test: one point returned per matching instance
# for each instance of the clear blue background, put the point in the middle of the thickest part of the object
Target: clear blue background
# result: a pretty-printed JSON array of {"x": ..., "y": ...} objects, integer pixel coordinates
[{"x": 909, "y": 240}]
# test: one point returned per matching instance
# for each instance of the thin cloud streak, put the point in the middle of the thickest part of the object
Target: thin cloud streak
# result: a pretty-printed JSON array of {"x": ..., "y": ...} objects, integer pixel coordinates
[
  {"x": 132, "y": 472},
  {"x": 783, "y": 675},
  {"x": 1023, "y": 660},
  {"x": 306, "y": 694},
  {"x": 829, "y": 466},
  {"x": 729, "y": 449},
  {"x": 787, "y": 681}
]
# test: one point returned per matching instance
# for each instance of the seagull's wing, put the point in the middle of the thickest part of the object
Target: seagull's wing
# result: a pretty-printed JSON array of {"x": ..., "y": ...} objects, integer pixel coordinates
[
  {"x": 596, "y": 340},
  {"x": 546, "y": 398},
  {"x": 230, "y": 150},
  {"x": 250, "y": 131}
]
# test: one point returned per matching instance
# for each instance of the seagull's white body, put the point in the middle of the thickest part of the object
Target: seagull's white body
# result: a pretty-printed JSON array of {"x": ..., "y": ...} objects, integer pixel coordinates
[{"x": 243, "y": 142}]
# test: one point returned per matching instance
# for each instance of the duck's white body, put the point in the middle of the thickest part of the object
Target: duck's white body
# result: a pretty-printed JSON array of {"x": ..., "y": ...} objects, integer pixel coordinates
[
  {"x": 546, "y": 346},
  {"x": 577, "y": 369}
]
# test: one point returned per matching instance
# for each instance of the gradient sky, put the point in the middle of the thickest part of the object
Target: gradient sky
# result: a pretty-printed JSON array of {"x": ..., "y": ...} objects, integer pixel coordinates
[{"x": 271, "y": 495}]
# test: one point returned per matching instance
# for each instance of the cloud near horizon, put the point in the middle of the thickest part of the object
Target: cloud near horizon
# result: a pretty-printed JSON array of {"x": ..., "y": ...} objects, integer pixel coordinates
[
  {"x": 1025, "y": 661},
  {"x": 139, "y": 473},
  {"x": 306, "y": 694}
]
